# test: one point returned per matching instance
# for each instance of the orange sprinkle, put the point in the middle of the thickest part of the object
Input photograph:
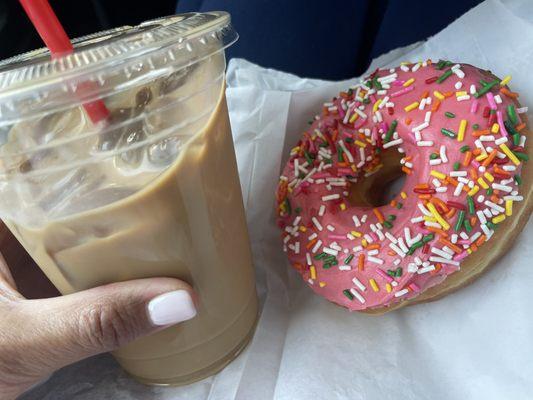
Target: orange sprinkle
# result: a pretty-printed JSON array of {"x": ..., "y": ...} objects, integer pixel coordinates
[
  {"x": 311, "y": 243},
  {"x": 407, "y": 170},
  {"x": 508, "y": 93},
  {"x": 438, "y": 267},
  {"x": 379, "y": 215},
  {"x": 489, "y": 159},
  {"x": 467, "y": 159},
  {"x": 451, "y": 180},
  {"x": 481, "y": 132},
  {"x": 476, "y": 151},
  {"x": 481, "y": 240},
  {"x": 473, "y": 221},
  {"x": 437, "y": 230},
  {"x": 473, "y": 247},
  {"x": 519, "y": 127},
  {"x": 447, "y": 94},
  {"x": 393, "y": 203},
  {"x": 425, "y": 94},
  {"x": 422, "y": 186},
  {"x": 435, "y": 106},
  {"x": 335, "y": 134},
  {"x": 343, "y": 164},
  {"x": 373, "y": 246},
  {"x": 361, "y": 262},
  {"x": 408, "y": 121},
  {"x": 495, "y": 199},
  {"x": 473, "y": 174},
  {"x": 450, "y": 213},
  {"x": 440, "y": 204},
  {"x": 501, "y": 171},
  {"x": 424, "y": 196},
  {"x": 391, "y": 253},
  {"x": 452, "y": 246},
  {"x": 408, "y": 158},
  {"x": 344, "y": 95}
]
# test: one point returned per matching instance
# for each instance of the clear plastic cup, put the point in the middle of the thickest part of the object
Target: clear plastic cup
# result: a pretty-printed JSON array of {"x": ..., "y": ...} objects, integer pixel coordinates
[{"x": 151, "y": 191}]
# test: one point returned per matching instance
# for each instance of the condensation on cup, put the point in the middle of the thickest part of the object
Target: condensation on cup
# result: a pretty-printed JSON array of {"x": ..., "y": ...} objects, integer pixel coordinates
[{"x": 150, "y": 191}]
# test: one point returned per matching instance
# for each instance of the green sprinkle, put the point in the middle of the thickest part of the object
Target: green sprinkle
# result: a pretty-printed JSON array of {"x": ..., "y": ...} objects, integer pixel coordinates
[
  {"x": 323, "y": 144},
  {"x": 377, "y": 84},
  {"x": 298, "y": 210},
  {"x": 510, "y": 128},
  {"x": 471, "y": 207},
  {"x": 339, "y": 153},
  {"x": 391, "y": 217},
  {"x": 349, "y": 91},
  {"x": 444, "y": 76},
  {"x": 432, "y": 156},
  {"x": 348, "y": 259},
  {"x": 486, "y": 88},
  {"x": 467, "y": 225},
  {"x": 366, "y": 101},
  {"x": 464, "y": 149},
  {"x": 516, "y": 139},
  {"x": 521, "y": 156},
  {"x": 512, "y": 114},
  {"x": 475, "y": 126},
  {"x": 489, "y": 191},
  {"x": 460, "y": 220},
  {"x": 369, "y": 83},
  {"x": 391, "y": 272},
  {"x": 456, "y": 166},
  {"x": 447, "y": 132},
  {"x": 328, "y": 161},
  {"x": 441, "y": 64},
  {"x": 347, "y": 293},
  {"x": 326, "y": 266},
  {"x": 449, "y": 114},
  {"x": 518, "y": 179},
  {"x": 428, "y": 238},
  {"x": 391, "y": 130},
  {"x": 399, "y": 205},
  {"x": 483, "y": 82},
  {"x": 320, "y": 256},
  {"x": 387, "y": 224},
  {"x": 415, "y": 246},
  {"x": 492, "y": 112},
  {"x": 491, "y": 225},
  {"x": 308, "y": 157},
  {"x": 349, "y": 140},
  {"x": 398, "y": 273},
  {"x": 301, "y": 175}
]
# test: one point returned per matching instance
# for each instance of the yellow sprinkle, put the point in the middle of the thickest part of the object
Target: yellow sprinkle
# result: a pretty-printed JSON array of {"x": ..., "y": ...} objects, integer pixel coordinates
[
  {"x": 461, "y": 93},
  {"x": 403, "y": 195},
  {"x": 376, "y": 105},
  {"x": 462, "y": 130},
  {"x": 409, "y": 82},
  {"x": 473, "y": 191},
  {"x": 469, "y": 251},
  {"x": 289, "y": 189},
  {"x": 364, "y": 242},
  {"x": 303, "y": 229},
  {"x": 412, "y": 106},
  {"x": 354, "y": 168},
  {"x": 505, "y": 80},
  {"x": 509, "y": 154},
  {"x": 342, "y": 206},
  {"x": 438, "y": 174},
  {"x": 481, "y": 157},
  {"x": 482, "y": 183},
  {"x": 353, "y": 118},
  {"x": 322, "y": 284},
  {"x": 388, "y": 287},
  {"x": 489, "y": 176},
  {"x": 438, "y": 217},
  {"x": 356, "y": 234},
  {"x": 508, "y": 207},
  {"x": 498, "y": 219},
  {"x": 438, "y": 95},
  {"x": 360, "y": 144},
  {"x": 312, "y": 270},
  {"x": 374, "y": 285},
  {"x": 495, "y": 128},
  {"x": 428, "y": 218}
]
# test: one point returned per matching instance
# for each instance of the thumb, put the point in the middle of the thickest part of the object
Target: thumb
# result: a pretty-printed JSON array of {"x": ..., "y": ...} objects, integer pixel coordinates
[{"x": 66, "y": 329}]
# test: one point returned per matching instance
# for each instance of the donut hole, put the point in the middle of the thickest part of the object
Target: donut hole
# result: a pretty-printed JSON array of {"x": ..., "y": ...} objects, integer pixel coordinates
[{"x": 381, "y": 187}]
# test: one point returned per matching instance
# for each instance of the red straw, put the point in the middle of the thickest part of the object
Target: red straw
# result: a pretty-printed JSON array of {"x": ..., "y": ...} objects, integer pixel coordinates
[{"x": 55, "y": 38}]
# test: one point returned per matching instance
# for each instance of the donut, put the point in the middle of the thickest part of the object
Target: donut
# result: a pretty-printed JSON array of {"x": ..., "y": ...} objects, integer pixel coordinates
[{"x": 453, "y": 138}]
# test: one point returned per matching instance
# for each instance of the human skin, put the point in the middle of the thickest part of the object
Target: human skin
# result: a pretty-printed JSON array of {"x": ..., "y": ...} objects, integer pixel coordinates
[{"x": 41, "y": 335}]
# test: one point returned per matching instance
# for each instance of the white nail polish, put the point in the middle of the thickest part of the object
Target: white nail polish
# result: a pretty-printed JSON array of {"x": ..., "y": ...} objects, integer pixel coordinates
[{"x": 171, "y": 308}]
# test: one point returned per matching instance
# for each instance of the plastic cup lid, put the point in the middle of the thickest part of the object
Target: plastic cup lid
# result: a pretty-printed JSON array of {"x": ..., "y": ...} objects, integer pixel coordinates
[{"x": 34, "y": 83}]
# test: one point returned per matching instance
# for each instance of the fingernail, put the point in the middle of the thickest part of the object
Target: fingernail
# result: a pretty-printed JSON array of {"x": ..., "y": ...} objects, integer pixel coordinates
[{"x": 171, "y": 308}]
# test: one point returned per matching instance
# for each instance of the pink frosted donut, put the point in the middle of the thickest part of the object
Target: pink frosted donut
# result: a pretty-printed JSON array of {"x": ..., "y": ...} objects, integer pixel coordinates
[{"x": 458, "y": 134}]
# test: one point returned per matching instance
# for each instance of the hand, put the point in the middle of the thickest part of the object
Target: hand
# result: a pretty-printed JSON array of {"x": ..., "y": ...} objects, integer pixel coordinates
[{"x": 39, "y": 336}]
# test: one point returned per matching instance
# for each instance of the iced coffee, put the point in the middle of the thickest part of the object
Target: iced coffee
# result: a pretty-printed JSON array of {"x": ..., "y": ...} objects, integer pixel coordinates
[{"x": 152, "y": 191}]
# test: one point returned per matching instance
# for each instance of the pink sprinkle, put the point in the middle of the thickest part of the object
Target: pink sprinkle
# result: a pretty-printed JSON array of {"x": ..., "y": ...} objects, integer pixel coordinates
[
  {"x": 414, "y": 287},
  {"x": 374, "y": 133},
  {"x": 384, "y": 275},
  {"x": 403, "y": 91},
  {"x": 345, "y": 170},
  {"x": 336, "y": 237},
  {"x": 461, "y": 256},
  {"x": 384, "y": 126},
  {"x": 373, "y": 98},
  {"x": 297, "y": 191},
  {"x": 426, "y": 231},
  {"x": 305, "y": 184},
  {"x": 474, "y": 106},
  {"x": 492, "y": 103},
  {"x": 500, "y": 122},
  {"x": 320, "y": 175},
  {"x": 346, "y": 134},
  {"x": 463, "y": 241},
  {"x": 398, "y": 82},
  {"x": 476, "y": 163},
  {"x": 312, "y": 147},
  {"x": 360, "y": 122}
]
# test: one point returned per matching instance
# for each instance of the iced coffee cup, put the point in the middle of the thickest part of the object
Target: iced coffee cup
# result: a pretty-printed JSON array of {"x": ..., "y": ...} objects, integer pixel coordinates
[{"x": 150, "y": 191}]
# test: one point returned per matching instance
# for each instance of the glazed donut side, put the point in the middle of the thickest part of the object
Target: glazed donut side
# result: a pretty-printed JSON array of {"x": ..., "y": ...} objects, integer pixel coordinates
[{"x": 463, "y": 175}]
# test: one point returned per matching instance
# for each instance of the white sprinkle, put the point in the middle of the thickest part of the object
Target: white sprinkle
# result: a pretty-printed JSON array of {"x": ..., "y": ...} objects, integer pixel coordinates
[
  {"x": 335, "y": 246},
  {"x": 494, "y": 206},
  {"x": 463, "y": 97},
  {"x": 396, "y": 261},
  {"x": 509, "y": 168},
  {"x": 475, "y": 236},
  {"x": 363, "y": 218},
  {"x": 313, "y": 236},
  {"x": 436, "y": 182},
  {"x": 391, "y": 237},
  {"x": 480, "y": 198},
  {"x": 472, "y": 89},
  {"x": 358, "y": 283},
  {"x": 368, "y": 238},
  {"x": 397, "y": 250},
  {"x": 348, "y": 154},
  {"x": 420, "y": 127},
  {"x": 297, "y": 248},
  {"x": 321, "y": 210},
  {"x": 404, "y": 68},
  {"x": 481, "y": 216},
  {"x": 458, "y": 173},
  {"x": 426, "y": 269},
  {"x": 486, "y": 230},
  {"x": 357, "y": 296},
  {"x": 487, "y": 138},
  {"x": 344, "y": 268},
  {"x": 415, "y": 67},
  {"x": 498, "y": 99},
  {"x": 441, "y": 189},
  {"x": 357, "y": 249},
  {"x": 443, "y": 260},
  {"x": 402, "y": 245},
  {"x": 375, "y": 260},
  {"x": 441, "y": 253},
  {"x": 424, "y": 209},
  {"x": 331, "y": 197},
  {"x": 435, "y": 161},
  {"x": 513, "y": 198},
  {"x": 506, "y": 189},
  {"x": 401, "y": 292},
  {"x": 432, "y": 224},
  {"x": 316, "y": 223},
  {"x": 460, "y": 74},
  {"x": 521, "y": 110},
  {"x": 443, "y": 154},
  {"x": 458, "y": 85},
  {"x": 425, "y": 143},
  {"x": 416, "y": 220},
  {"x": 356, "y": 221},
  {"x": 458, "y": 189},
  {"x": 392, "y": 143},
  {"x": 427, "y": 118},
  {"x": 317, "y": 246},
  {"x": 330, "y": 228},
  {"x": 412, "y": 268},
  {"x": 454, "y": 238}
]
